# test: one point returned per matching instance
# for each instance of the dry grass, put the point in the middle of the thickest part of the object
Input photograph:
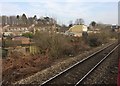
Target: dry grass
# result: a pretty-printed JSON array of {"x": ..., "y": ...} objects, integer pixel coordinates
[{"x": 47, "y": 73}]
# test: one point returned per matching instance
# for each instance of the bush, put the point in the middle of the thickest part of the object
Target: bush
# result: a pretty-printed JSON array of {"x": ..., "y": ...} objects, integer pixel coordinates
[
  {"x": 113, "y": 35},
  {"x": 68, "y": 50},
  {"x": 94, "y": 41},
  {"x": 53, "y": 45},
  {"x": 10, "y": 43},
  {"x": 56, "y": 46},
  {"x": 16, "y": 54},
  {"x": 28, "y": 35},
  {"x": 4, "y": 53}
]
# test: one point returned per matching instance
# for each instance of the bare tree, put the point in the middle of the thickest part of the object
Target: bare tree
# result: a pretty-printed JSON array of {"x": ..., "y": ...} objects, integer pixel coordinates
[
  {"x": 79, "y": 21},
  {"x": 24, "y": 19}
]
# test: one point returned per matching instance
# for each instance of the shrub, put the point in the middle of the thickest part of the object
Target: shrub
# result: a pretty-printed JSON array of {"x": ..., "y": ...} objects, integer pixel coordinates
[
  {"x": 16, "y": 54},
  {"x": 4, "y": 53},
  {"x": 94, "y": 40},
  {"x": 28, "y": 35},
  {"x": 56, "y": 46},
  {"x": 68, "y": 50},
  {"x": 53, "y": 45}
]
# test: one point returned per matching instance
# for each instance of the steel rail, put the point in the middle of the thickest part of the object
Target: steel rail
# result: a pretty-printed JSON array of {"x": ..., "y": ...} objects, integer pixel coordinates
[
  {"x": 76, "y": 64},
  {"x": 88, "y": 73}
]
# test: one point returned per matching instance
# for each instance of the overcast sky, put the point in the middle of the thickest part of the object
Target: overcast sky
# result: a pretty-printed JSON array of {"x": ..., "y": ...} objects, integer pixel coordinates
[{"x": 64, "y": 10}]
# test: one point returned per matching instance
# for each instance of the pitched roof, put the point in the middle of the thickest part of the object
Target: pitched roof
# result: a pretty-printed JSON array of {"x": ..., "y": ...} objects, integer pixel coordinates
[{"x": 76, "y": 28}]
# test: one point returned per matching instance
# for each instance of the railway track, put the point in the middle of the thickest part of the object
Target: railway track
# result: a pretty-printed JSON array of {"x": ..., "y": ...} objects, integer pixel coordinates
[{"x": 78, "y": 72}]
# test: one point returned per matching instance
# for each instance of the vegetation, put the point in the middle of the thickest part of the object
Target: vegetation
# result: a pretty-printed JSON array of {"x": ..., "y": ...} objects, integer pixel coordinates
[
  {"x": 4, "y": 52},
  {"x": 10, "y": 43},
  {"x": 56, "y": 45},
  {"x": 79, "y": 21},
  {"x": 28, "y": 35},
  {"x": 96, "y": 39},
  {"x": 93, "y": 23},
  {"x": 49, "y": 44},
  {"x": 23, "y": 20}
]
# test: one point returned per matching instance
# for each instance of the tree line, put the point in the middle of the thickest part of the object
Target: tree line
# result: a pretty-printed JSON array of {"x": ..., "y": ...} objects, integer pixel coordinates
[{"x": 24, "y": 20}]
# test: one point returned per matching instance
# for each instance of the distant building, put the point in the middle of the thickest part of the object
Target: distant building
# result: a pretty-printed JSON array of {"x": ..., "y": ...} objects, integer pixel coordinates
[
  {"x": 115, "y": 27},
  {"x": 93, "y": 31},
  {"x": 23, "y": 40},
  {"x": 14, "y": 30},
  {"x": 34, "y": 28},
  {"x": 77, "y": 30}
]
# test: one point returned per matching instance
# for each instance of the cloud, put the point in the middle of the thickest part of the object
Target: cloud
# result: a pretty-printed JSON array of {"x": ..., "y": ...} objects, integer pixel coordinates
[
  {"x": 64, "y": 11},
  {"x": 10, "y": 9}
]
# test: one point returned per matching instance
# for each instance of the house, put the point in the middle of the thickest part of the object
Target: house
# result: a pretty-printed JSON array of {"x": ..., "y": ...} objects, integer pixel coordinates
[
  {"x": 77, "y": 30},
  {"x": 93, "y": 31},
  {"x": 115, "y": 27},
  {"x": 15, "y": 30},
  {"x": 49, "y": 27},
  {"x": 22, "y": 40},
  {"x": 28, "y": 46},
  {"x": 19, "y": 44}
]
